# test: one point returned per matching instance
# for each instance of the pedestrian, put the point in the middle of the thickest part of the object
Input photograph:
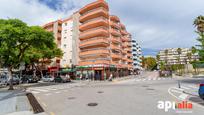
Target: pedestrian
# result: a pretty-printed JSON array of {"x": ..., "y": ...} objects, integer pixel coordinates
[{"x": 111, "y": 77}]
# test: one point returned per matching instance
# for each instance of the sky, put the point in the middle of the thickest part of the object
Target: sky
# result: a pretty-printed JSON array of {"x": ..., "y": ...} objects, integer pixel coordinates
[{"x": 154, "y": 24}]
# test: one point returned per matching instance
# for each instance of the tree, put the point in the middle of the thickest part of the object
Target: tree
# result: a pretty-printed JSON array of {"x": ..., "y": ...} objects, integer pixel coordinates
[
  {"x": 150, "y": 63},
  {"x": 17, "y": 40}
]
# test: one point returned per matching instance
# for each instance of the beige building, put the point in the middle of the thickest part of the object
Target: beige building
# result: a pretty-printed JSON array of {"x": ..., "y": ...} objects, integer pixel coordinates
[{"x": 171, "y": 56}]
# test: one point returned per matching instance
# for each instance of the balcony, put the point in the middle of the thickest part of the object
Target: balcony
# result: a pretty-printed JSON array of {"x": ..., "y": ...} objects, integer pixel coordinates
[
  {"x": 98, "y": 12},
  {"x": 114, "y": 32},
  {"x": 92, "y": 23},
  {"x": 116, "y": 56},
  {"x": 122, "y": 26},
  {"x": 93, "y": 62},
  {"x": 114, "y": 25},
  {"x": 116, "y": 40},
  {"x": 99, "y": 31},
  {"x": 94, "y": 52},
  {"x": 114, "y": 18},
  {"x": 124, "y": 32},
  {"x": 124, "y": 52},
  {"x": 94, "y": 5},
  {"x": 97, "y": 41},
  {"x": 115, "y": 47}
]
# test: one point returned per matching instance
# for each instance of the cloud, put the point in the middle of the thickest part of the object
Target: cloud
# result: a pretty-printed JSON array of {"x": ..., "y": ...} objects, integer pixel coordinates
[{"x": 155, "y": 24}]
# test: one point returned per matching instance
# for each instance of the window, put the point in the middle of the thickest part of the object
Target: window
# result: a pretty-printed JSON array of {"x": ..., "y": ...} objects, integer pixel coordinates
[
  {"x": 65, "y": 24},
  {"x": 65, "y": 37},
  {"x": 65, "y": 45},
  {"x": 65, "y": 31}
]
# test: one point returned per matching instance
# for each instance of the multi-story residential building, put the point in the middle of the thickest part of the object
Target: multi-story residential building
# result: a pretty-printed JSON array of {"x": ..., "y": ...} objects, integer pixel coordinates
[
  {"x": 101, "y": 40},
  {"x": 56, "y": 28},
  {"x": 137, "y": 55},
  {"x": 66, "y": 33},
  {"x": 95, "y": 41},
  {"x": 173, "y": 56}
]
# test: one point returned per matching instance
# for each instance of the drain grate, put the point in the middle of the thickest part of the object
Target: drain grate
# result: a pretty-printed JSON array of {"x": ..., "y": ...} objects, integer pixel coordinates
[
  {"x": 71, "y": 98},
  {"x": 150, "y": 89},
  {"x": 34, "y": 103},
  {"x": 92, "y": 104},
  {"x": 100, "y": 92}
]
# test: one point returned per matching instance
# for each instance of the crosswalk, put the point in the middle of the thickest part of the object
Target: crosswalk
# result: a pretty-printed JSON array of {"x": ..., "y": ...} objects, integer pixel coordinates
[
  {"x": 152, "y": 79},
  {"x": 48, "y": 90},
  {"x": 184, "y": 92}
]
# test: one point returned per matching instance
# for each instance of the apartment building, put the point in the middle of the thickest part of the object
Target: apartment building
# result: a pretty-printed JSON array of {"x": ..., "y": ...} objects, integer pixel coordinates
[
  {"x": 56, "y": 28},
  {"x": 172, "y": 56},
  {"x": 104, "y": 41},
  {"x": 66, "y": 33},
  {"x": 137, "y": 55},
  {"x": 95, "y": 41}
]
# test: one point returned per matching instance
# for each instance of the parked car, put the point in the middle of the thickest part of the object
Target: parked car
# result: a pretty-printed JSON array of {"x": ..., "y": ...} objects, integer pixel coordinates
[
  {"x": 3, "y": 80},
  {"x": 47, "y": 78},
  {"x": 201, "y": 91},
  {"x": 62, "y": 79},
  {"x": 29, "y": 79},
  {"x": 16, "y": 79}
]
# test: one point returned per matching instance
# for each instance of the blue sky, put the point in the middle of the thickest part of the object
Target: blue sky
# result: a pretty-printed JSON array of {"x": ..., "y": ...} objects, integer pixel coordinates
[{"x": 155, "y": 24}]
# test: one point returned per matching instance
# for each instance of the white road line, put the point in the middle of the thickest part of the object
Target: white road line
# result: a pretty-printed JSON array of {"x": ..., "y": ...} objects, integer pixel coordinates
[
  {"x": 35, "y": 92},
  {"x": 154, "y": 79},
  {"x": 149, "y": 79},
  {"x": 183, "y": 96},
  {"x": 169, "y": 91},
  {"x": 48, "y": 94},
  {"x": 143, "y": 79},
  {"x": 58, "y": 92},
  {"x": 159, "y": 79},
  {"x": 41, "y": 90},
  {"x": 184, "y": 87},
  {"x": 176, "y": 91},
  {"x": 194, "y": 87}
]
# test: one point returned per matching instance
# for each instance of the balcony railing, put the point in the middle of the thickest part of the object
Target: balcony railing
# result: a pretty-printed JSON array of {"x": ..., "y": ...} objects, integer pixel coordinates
[
  {"x": 100, "y": 8},
  {"x": 94, "y": 38},
  {"x": 95, "y": 19},
  {"x": 97, "y": 28}
]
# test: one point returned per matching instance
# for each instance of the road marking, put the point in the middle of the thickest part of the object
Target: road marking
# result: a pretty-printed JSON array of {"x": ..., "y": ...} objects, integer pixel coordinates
[
  {"x": 184, "y": 87},
  {"x": 149, "y": 79},
  {"x": 176, "y": 91},
  {"x": 154, "y": 79},
  {"x": 44, "y": 104},
  {"x": 143, "y": 79},
  {"x": 42, "y": 90},
  {"x": 58, "y": 92},
  {"x": 194, "y": 87},
  {"x": 48, "y": 94},
  {"x": 169, "y": 91},
  {"x": 51, "y": 113},
  {"x": 159, "y": 79},
  {"x": 178, "y": 88},
  {"x": 35, "y": 92},
  {"x": 183, "y": 96}
]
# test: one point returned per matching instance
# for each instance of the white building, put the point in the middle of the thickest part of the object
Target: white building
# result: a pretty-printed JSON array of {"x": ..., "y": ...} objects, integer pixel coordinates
[
  {"x": 137, "y": 54},
  {"x": 69, "y": 41},
  {"x": 171, "y": 56}
]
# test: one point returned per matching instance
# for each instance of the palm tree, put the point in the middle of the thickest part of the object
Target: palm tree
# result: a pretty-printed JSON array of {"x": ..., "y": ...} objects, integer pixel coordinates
[{"x": 199, "y": 23}]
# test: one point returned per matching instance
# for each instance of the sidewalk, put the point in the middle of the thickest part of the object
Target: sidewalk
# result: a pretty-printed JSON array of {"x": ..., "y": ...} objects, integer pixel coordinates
[{"x": 14, "y": 101}]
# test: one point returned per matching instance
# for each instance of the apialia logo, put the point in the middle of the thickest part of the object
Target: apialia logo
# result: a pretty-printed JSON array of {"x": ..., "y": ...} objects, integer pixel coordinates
[{"x": 179, "y": 107}]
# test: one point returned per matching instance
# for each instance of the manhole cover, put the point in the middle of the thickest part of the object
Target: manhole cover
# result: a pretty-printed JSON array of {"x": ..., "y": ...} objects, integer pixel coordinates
[
  {"x": 92, "y": 104},
  {"x": 145, "y": 86},
  {"x": 150, "y": 89},
  {"x": 100, "y": 92},
  {"x": 70, "y": 98}
]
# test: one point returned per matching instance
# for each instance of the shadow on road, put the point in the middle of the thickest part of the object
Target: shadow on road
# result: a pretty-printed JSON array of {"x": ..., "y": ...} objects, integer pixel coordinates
[{"x": 197, "y": 100}]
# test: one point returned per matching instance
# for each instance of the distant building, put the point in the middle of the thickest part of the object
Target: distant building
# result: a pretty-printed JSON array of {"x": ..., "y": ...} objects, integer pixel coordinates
[
  {"x": 137, "y": 55},
  {"x": 171, "y": 56}
]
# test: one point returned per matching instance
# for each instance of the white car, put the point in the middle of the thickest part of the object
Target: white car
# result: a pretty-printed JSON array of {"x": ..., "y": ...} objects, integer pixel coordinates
[{"x": 47, "y": 78}]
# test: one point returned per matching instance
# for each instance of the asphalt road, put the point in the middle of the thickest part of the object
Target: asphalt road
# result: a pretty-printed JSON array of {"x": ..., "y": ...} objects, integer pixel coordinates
[{"x": 130, "y": 97}]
